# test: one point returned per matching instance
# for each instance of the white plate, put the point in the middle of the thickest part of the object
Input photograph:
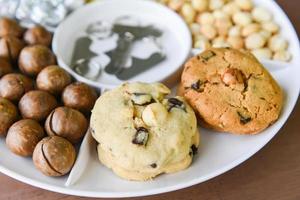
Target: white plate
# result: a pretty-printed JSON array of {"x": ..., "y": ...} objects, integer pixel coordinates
[
  {"x": 175, "y": 41},
  {"x": 218, "y": 152}
]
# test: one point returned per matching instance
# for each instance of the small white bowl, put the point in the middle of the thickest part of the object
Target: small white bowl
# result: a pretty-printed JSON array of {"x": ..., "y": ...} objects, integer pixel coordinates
[{"x": 176, "y": 40}]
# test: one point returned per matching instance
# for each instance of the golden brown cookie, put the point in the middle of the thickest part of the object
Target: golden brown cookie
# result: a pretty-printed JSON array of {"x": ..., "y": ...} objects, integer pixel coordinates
[{"x": 231, "y": 91}]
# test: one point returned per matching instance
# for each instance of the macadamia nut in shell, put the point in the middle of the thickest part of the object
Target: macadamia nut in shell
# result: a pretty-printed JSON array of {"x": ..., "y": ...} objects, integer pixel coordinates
[
  {"x": 37, "y": 105},
  {"x": 35, "y": 58},
  {"x": 13, "y": 86},
  {"x": 53, "y": 79},
  {"x": 8, "y": 115},
  {"x": 67, "y": 123},
  {"x": 23, "y": 136},
  {"x": 54, "y": 156}
]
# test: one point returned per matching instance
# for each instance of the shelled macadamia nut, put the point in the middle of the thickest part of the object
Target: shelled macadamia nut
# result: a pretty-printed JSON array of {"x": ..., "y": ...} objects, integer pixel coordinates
[
  {"x": 209, "y": 31},
  {"x": 79, "y": 96},
  {"x": 236, "y": 42},
  {"x": 35, "y": 58},
  {"x": 10, "y": 47},
  {"x": 38, "y": 35},
  {"x": 13, "y": 86},
  {"x": 53, "y": 79},
  {"x": 277, "y": 43},
  {"x": 188, "y": 12},
  {"x": 200, "y": 5},
  {"x": 266, "y": 34},
  {"x": 10, "y": 27},
  {"x": 223, "y": 25},
  {"x": 231, "y": 8},
  {"x": 175, "y": 4},
  {"x": 67, "y": 123},
  {"x": 242, "y": 18},
  {"x": 206, "y": 18},
  {"x": 23, "y": 136},
  {"x": 282, "y": 55},
  {"x": 54, "y": 156},
  {"x": 195, "y": 28},
  {"x": 216, "y": 4},
  {"x": 271, "y": 27},
  {"x": 263, "y": 53},
  {"x": 5, "y": 66},
  {"x": 250, "y": 28},
  {"x": 244, "y": 4},
  {"x": 220, "y": 42},
  {"x": 37, "y": 105},
  {"x": 261, "y": 14},
  {"x": 235, "y": 31},
  {"x": 8, "y": 115},
  {"x": 201, "y": 42},
  {"x": 255, "y": 41}
]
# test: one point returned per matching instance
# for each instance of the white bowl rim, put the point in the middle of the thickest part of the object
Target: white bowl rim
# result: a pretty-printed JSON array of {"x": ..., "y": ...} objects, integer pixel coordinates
[{"x": 61, "y": 62}]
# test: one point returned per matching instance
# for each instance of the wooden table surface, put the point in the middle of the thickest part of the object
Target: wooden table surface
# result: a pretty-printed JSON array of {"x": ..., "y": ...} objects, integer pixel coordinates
[{"x": 272, "y": 173}]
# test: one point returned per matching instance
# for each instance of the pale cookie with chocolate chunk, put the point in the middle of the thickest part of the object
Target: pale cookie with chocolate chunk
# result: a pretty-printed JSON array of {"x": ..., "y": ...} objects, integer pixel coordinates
[
  {"x": 141, "y": 133},
  {"x": 231, "y": 91}
]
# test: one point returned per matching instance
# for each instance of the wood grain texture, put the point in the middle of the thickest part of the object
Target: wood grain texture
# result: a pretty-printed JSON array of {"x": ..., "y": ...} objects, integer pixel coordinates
[{"x": 272, "y": 173}]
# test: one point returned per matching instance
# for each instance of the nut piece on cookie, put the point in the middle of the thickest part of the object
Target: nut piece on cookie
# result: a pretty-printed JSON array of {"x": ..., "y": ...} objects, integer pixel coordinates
[{"x": 232, "y": 76}]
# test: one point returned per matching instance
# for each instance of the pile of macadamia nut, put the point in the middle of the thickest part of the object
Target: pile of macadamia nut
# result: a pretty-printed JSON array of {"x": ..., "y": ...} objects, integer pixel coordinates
[
  {"x": 43, "y": 113},
  {"x": 233, "y": 23}
]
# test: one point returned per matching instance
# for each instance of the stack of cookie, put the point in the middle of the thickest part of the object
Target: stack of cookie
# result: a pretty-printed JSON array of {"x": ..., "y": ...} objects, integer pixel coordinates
[{"x": 142, "y": 134}]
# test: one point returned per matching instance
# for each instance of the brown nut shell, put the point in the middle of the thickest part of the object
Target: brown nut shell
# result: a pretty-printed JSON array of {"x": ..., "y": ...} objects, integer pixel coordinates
[
  {"x": 38, "y": 35},
  {"x": 8, "y": 115},
  {"x": 35, "y": 58},
  {"x": 23, "y": 136},
  {"x": 37, "y": 105},
  {"x": 53, "y": 79},
  {"x": 54, "y": 156},
  {"x": 14, "y": 86},
  {"x": 67, "y": 123},
  {"x": 10, "y": 47},
  {"x": 79, "y": 96},
  {"x": 10, "y": 27},
  {"x": 5, "y": 66}
]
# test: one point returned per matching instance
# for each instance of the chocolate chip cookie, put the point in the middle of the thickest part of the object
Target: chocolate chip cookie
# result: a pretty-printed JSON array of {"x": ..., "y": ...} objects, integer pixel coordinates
[
  {"x": 141, "y": 133},
  {"x": 231, "y": 91}
]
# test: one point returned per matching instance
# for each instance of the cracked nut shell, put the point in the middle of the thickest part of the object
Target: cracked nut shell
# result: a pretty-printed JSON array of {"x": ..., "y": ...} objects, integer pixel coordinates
[
  {"x": 8, "y": 115},
  {"x": 14, "y": 86},
  {"x": 54, "y": 156},
  {"x": 67, "y": 123},
  {"x": 53, "y": 79},
  {"x": 23, "y": 136},
  {"x": 34, "y": 58},
  {"x": 38, "y": 35},
  {"x": 10, "y": 27},
  {"x": 37, "y": 105},
  {"x": 10, "y": 47},
  {"x": 79, "y": 96},
  {"x": 5, "y": 66}
]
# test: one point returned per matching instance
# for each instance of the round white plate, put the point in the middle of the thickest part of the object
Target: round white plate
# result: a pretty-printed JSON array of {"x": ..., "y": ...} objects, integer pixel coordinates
[
  {"x": 218, "y": 152},
  {"x": 175, "y": 41}
]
